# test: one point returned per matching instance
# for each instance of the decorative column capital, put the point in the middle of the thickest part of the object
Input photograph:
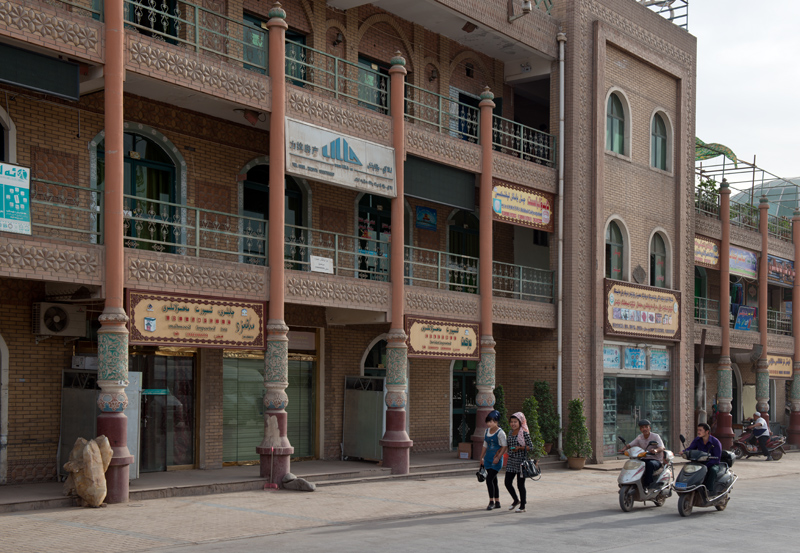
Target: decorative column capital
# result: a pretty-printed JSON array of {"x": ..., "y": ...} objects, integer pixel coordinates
[
  {"x": 724, "y": 187},
  {"x": 763, "y": 202},
  {"x": 487, "y": 94},
  {"x": 276, "y": 11},
  {"x": 398, "y": 59}
]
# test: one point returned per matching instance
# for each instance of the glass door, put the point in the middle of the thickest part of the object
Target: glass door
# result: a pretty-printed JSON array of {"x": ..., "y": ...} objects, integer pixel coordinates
[
  {"x": 465, "y": 388},
  {"x": 636, "y": 398}
]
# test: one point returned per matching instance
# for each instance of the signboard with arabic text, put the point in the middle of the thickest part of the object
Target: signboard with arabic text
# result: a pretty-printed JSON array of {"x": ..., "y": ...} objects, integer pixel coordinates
[
  {"x": 195, "y": 321},
  {"x": 642, "y": 311},
  {"x": 780, "y": 367},
  {"x": 443, "y": 338},
  {"x": 780, "y": 271},
  {"x": 522, "y": 206},
  {"x": 706, "y": 252},
  {"x": 15, "y": 203},
  {"x": 743, "y": 262}
]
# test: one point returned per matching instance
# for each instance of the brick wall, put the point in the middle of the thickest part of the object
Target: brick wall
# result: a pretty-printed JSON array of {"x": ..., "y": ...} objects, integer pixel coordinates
[{"x": 209, "y": 415}]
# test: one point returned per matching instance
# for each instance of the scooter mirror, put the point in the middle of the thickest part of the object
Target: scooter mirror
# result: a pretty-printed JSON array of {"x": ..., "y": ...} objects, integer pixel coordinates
[
  {"x": 621, "y": 439},
  {"x": 683, "y": 439}
]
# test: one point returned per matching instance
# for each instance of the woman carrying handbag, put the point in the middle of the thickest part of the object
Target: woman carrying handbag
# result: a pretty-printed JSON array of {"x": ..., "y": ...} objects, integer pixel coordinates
[
  {"x": 519, "y": 444},
  {"x": 494, "y": 446}
]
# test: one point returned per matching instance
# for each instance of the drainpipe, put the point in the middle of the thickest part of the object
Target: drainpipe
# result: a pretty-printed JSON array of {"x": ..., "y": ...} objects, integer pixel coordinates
[
  {"x": 562, "y": 39},
  {"x": 4, "y": 373}
]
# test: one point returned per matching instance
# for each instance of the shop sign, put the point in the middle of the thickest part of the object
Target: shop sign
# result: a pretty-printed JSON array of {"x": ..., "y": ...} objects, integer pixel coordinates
[
  {"x": 780, "y": 271},
  {"x": 706, "y": 252},
  {"x": 305, "y": 341},
  {"x": 610, "y": 356},
  {"x": 743, "y": 262},
  {"x": 326, "y": 156},
  {"x": 635, "y": 358},
  {"x": 744, "y": 317},
  {"x": 199, "y": 321},
  {"x": 426, "y": 218},
  {"x": 443, "y": 338},
  {"x": 659, "y": 360},
  {"x": 642, "y": 311},
  {"x": 522, "y": 206},
  {"x": 15, "y": 203},
  {"x": 321, "y": 264},
  {"x": 780, "y": 367}
]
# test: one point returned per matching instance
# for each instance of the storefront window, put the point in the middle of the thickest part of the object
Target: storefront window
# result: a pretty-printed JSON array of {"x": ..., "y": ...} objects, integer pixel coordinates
[
  {"x": 658, "y": 262},
  {"x": 374, "y": 232}
]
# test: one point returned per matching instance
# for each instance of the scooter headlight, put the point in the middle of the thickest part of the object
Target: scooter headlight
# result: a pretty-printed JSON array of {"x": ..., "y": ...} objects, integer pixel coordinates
[
  {"x": 631, "y": 465},
  {"x": 691, "y": 469}
]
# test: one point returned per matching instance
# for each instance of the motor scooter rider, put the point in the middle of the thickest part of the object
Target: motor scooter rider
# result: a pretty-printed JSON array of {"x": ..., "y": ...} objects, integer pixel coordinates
[
  {"x": 761, "y": 434},
  {"x": 655, "y": 452},
  {"x": 708, "y": 443}
]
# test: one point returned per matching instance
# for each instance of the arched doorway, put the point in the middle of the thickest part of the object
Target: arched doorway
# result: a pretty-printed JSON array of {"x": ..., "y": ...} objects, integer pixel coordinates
[
  {"x": 463, "y": 243},
  {"x": 464, "y": 406}
]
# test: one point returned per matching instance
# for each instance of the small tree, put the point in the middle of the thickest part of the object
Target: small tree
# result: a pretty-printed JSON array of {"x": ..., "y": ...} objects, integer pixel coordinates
[
  {"x": 549, "y": 422},
  {"x": 576, "y": 438},
  {"x": 500, "y": 406},
  {"x": 530, "y": 408}
]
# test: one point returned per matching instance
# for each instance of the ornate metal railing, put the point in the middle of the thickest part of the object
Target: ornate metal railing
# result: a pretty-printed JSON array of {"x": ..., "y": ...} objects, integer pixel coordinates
[
  {"x": 66, "y": 211},
  {"x": 779, "y": 322},
  {"x": 339, "y": 78},
  {"x": 706, "y": 204},
  {"x": 86, "y": 8},
  {"x": 522, "y": 283},
  {"x": 442, "y": 270},
  {"x": 780, "y": 227},
  {"x": 706, "y": 311},
  {"x": 198, "y": 28},
  {"x": 523, "y": 142},
  {"x": 441, "y": 114},
  {"x": 340, "y": 254},
  {"x": 744, "y": 215}
]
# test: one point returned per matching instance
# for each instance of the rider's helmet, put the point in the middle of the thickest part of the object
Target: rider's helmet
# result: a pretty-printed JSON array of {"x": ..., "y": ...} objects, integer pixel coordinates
[{"x": 644, "y": 422}]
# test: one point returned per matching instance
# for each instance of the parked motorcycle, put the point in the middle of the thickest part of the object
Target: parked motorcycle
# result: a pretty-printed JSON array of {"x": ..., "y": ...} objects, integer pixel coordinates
[
  {"x": 690, "y": 485},
  {"x": 743, "y": 448},
  {"x": 630, "y": 479}
]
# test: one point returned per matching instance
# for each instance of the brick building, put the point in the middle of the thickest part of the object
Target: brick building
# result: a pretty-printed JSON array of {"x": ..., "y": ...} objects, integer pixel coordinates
[{"x": 151, "y": 144}]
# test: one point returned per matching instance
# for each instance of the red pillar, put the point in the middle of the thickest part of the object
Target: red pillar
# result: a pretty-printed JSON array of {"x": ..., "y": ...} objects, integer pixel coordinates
[
  {"x": 794, "y": 397},
  {"x": 762, "y": 369},
  {"x": 724, "y": 430}
]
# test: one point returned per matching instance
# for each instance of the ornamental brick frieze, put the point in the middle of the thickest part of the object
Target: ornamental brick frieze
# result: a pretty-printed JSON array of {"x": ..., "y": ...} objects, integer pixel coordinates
[
  {"x": 147, "y": 273},
  {"x": 713, "y": 334},
  {"x": 708, "y": 226},
  {"x": 49, "y": 261},
  {"x": 744, "y": 339},
  {"x": 781, "y": 248},
  {"x": 523, "y": 172},
  {"x": 82, "y": 34},
  {"x": 336, "y": 116},
  {"x": 778, "y": 343},
  {"x": 173, "y": 63},
  {"x": 444, "y": 149},
  {"x": 524, "y": 313},
  {"x": 338, "y": 292},
  {"x": 442, "y": 303},
  {"x": 745, "y": 238}
]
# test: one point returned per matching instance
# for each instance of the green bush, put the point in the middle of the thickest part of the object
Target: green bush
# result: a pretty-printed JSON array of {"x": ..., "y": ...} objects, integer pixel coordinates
[
  {"x": 500, "y": 406},
  {"x": 576, "y": 438},
  {"x": 549, "y": 422},
  {"x": 530, "y": 408}
]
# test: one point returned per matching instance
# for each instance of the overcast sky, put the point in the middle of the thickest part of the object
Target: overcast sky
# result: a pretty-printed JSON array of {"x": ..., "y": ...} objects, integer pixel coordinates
[{"x": 748, "y": 79}]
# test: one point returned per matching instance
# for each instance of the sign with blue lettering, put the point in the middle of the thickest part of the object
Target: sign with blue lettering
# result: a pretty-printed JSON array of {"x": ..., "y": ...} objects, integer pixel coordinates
[
  {"x": 15, "y": 204},
  {"x": 334, "y": 158}
]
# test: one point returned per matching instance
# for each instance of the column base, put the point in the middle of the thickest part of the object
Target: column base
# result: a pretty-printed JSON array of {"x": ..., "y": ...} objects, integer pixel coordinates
[
  {"x": 794, "y": 428},
  {"x": 396, "y": 443},
  {"x": 275, "y": 463},
  {"x": 724, "y": 431},
  {"x": 114, "y": 426}
]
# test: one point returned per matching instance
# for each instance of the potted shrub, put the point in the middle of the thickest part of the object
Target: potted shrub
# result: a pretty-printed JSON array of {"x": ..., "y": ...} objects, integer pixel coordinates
[
  {"x": 530, "y": 408},
  {"x": 577, "y": 445},
  {"x": 549, "y": 422}
]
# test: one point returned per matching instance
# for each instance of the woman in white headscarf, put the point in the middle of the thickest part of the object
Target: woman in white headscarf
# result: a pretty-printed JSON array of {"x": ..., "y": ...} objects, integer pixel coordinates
[{"x": 519, "y": 444}]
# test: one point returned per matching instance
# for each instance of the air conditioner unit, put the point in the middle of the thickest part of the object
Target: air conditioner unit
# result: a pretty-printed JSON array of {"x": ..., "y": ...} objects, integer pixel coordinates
[{"x": 59, "y": 319}]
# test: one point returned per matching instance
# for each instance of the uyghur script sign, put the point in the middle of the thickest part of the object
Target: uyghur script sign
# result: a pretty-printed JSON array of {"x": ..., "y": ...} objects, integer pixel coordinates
[
  {"x": 743, "y": 262},
  {"x": 706, "y": 252},
  {"x": 522, "y": 206},
  {"x": 15, "y": 204},
  {"x": 321, "y": 155},
  {"x": 196, "y": 321},
  {"x": 443, "y": 339},
  {"x": 642, "y": 311},
  {"x": 779, "y": 367},
  {"x": 780, "y": 271}
]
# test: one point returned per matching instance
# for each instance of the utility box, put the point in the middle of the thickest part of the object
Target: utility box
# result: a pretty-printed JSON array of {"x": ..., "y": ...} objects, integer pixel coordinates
[{"x": 364, "y": 417}]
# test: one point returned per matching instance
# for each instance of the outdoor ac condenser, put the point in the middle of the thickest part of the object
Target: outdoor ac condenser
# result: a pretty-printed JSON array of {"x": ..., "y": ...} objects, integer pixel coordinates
[{"x": 59, "y": 319}]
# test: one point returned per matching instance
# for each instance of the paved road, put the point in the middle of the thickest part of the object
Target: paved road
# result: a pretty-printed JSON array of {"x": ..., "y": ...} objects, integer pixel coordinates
[{"x": 595, "y": 523}]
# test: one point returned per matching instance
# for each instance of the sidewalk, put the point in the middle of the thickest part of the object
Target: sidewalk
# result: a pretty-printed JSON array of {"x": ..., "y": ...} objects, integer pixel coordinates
[{"x": 152, "y": 524}]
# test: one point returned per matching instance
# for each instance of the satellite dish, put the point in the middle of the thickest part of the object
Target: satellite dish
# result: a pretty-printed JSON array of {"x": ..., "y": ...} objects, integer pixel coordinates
[{"x": 55, "y": 319}]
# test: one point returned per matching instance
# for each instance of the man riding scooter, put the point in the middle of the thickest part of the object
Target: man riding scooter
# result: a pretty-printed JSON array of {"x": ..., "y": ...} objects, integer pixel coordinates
[
  {"x": 655, "y": 452},
  {"x": 760, "y": 434},
  {"x": 708, "y": 443}
]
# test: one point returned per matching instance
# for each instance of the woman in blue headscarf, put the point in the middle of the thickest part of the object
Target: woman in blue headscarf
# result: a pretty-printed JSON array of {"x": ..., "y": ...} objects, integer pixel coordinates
[{"x": 494, "y": 446}]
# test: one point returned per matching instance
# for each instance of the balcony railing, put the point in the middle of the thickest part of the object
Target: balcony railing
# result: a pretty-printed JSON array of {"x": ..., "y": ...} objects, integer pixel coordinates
[
  {"x": 707, "y": 204},
  {"x": 442, "y": 270},
  {"x": 522, "y": 283},
  {"x": 523, "y": 142},
  {"x": 66, "y": 212},
  {"x": 194, "y": 27},
  {"x": 441, "y": 114},
  {"x": 779, "y": 322},
  {"x": 706, "y": 311},
  {"x": 322, "y": 72},
  {"x": 780, "y": 227},
  {"x": 744, "y": 215}
]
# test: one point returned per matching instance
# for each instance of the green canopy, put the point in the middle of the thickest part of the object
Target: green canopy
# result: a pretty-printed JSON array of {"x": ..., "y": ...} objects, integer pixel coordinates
[{"x": 707, "y": 151}]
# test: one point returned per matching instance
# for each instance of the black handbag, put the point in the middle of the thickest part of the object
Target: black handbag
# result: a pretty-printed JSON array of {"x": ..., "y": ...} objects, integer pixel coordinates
[
  {"x": 481, "y": 474},
  {"x": 530, "y": 469}
]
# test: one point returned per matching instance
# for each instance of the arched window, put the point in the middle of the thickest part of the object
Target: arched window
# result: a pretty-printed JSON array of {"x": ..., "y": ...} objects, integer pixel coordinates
[
  {"x": 658, "y": 143},
  {"x": 615, "y": 249},
  {"x": 615, "y": 125},
  {"x": 658, "y": 262}
]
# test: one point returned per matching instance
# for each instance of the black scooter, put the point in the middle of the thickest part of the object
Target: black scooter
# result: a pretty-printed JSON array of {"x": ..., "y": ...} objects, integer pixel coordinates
[{"x": 691, "y": 482}]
